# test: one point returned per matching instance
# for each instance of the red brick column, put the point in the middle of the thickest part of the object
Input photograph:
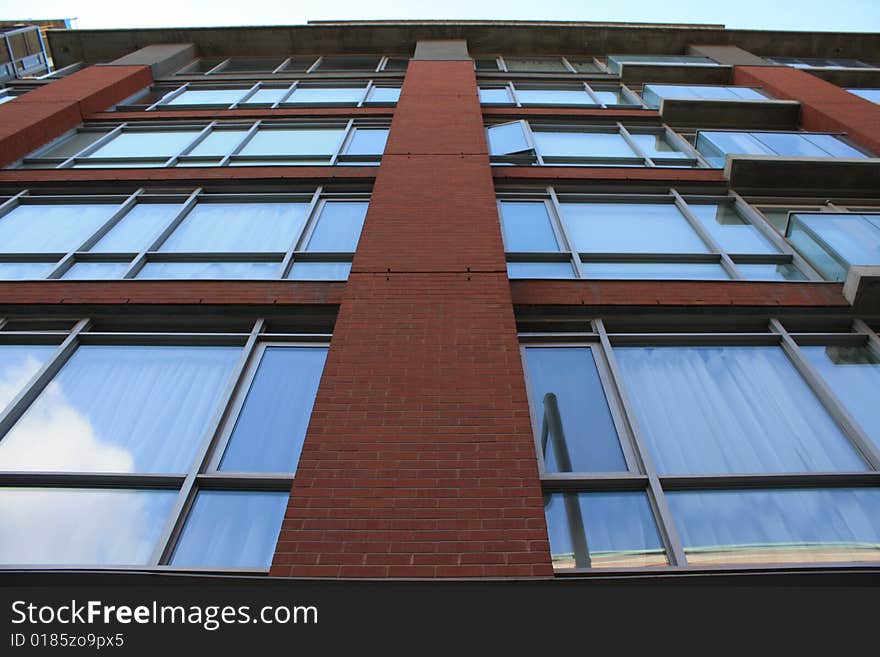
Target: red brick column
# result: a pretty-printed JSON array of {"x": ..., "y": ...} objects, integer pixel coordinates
[
  {"x": 43, "y": 114},
  {"x": 419, "y": 459},
  {"x": 825, "y": 106}
]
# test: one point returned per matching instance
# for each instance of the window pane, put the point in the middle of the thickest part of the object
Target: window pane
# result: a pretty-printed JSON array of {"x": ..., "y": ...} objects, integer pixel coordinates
[
  {"x": 251, "y": 65},
  {"x": 121, "y": 409},
  {"x": 96, "y": 270},
  {"x": 617, "y": 529},
  {"x": 833, "y": 146},
  {"x": 138, "y": 229},
  {"x": 153, "y": 143},
  {"x": 733, "y": 233},
  {"x": 51, "y": 228},
  {"x": 207, "y": 97},
  {"x": 568, "y": 400},
  {"x": 17, "y": 271},
  {"x": 18, "y": 363},
  {"x": 725, "y": 410},
  {"x": 535, "y": 64},
  {"x": 853, "y": 373},
  {"x": 834, "y": 242},
  {"x": 507, "y": 138},
  {"x": 657, "y": 146},
  {"x": 495, "y": 96},
  {"x": 715, "y": 146},
  {"x": 294, "y": 141},
  {"x": 266, "y": 96},
  {"x": 218, "y": 143},
  {"x": 339, "y": 227},
  {"x": 210, "y": 270},
  {"x": 540, "y": 270},
  {"x": 790, "y": 143},
  {"x": 271, "y": 427},
  {"x": 582, "y": 144},
  {"x": 70, "y": 146},
  {"x": 771, "y": 272},
  {"x": 778, "y": 526},
  {"x": 868, "y": 94},
  {"x": 630, "y": 228},
  {"x": 526, "y": 227},
  {"x": 584, "y": 65},
  {"x": 81, "y": 527},
  {"x": 612, "y": 97},
  {"x": 318, "y": 95},
  {"x": 319, "y": 271},
  {"x": 238, "y": 227},
  {"x": 367, "y": 142},
  {"x": 384, "y": 95},
  {"x": 554, "y": 97},
  {"x": 349, "y": 63},
  {"x": 231, "y": 529},
  {"x": 699, "y": 271}
]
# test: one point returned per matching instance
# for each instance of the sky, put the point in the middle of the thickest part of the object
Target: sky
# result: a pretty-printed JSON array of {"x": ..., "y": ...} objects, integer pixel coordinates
[{"x": 815, "y": 15}]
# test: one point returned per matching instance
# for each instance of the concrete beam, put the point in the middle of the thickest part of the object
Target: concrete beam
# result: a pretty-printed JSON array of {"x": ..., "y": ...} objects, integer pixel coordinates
[
  {"x": 830, "y": 176},
  {"x": 730, "y": 55},
  {"x": 442, "y": 51},
  {"x": 163, "y": 59},
  {"x": 862, "y": 288},
  {"x": 675, "y": 74},
  {"x": 745, "y": 114}
]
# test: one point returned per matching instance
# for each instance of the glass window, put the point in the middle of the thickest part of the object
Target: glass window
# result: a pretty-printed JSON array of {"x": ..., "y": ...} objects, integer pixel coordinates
[
  {"x": 218, "y": 143},
  {"x": 526, "y": 227},
  {"x": 771, "y": 272},
  {"x": 833, "y": 242},
  {"x": 70, "y": 146},
  {"x": 495, "y": 96},
  {"x": 507, "y": 138},
  {"x": 570, "y": 413},
  {"x": 602, "y": 530},
  {"x": 294, "y": 141},
  {"x": 540, "y": 270},
  {"x": 547, "y": 96},
  {"x": 306, "y": 270},
  {"x": 535, "y": 64},
  {"x": 582, "y": 144},
  {"x": 147, "y": 143},
  {"x": 613, "y": 97},
  {"x": 96, "y": 270},
  {"x": 727, "y": 410},
  {"x": 238, "y": 227},
  {"x": 210, "y": 270},
  {"x": 868, "y": 94},
  {"x": 367, "y": 142},
  {"x": 778, "y": 526},
  {"x": 727, "y": 227},
  {"x": 716, "y": 145},
  {"x": 656, "y": 145},
  {"x": 138, "y": 229},
  {"x": 326, "y": 95},
  {"x": 231, "y": 529},
  {"x": 630, "y": 228},
  {"x": 17, "y": 271},
  {"x": 384, "y": 95},
  {"x": 121, "y": 408},
  {"x": 266, "y": 96},
  {"x": 81, "y": 526},
  {"x": 339, "y": 227},
  {"x": 701, "y": 271},
  {"x": 853, "y": 373},
  {"x": 49, "y": 228},
  {"x": 207, "y": 97},
  {"x": 251, "y": 65},
  {"x": 271, "y": 427},
  {"x": 615, "y": 61},
  {"x": 654, "y": 93},
  {"x": 349, "y": 63},
  {"x": 18, "y": 363},
  {"x": 585, "y": 65}
]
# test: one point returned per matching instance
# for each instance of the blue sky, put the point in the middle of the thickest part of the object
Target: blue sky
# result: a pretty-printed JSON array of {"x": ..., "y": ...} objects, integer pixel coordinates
[{"x": 842, "y": 15}]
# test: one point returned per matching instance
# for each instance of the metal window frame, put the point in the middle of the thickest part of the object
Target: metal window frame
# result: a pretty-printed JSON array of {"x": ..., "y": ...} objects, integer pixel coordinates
[
  {"x": 199, "y": 475},
  {"x": 644, "y": 477}
]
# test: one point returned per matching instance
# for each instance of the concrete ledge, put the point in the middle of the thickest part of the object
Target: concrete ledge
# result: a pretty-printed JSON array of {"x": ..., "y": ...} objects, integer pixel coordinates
[
  {"x": 848, "y": 77},
  {"x": 162, "y": 59},
  {"x": 862, "y": 288},
  {"x": 442, "y": 51},
  {"x": 816, "y": 175},
  {"x": 678, "y": 74},
  {"x": 759, "y": 114},
  {"x": 727, "y": 54}
]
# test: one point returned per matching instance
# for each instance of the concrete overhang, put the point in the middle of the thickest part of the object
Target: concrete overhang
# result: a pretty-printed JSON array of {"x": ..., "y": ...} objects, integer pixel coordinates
[
  {"x": 676, "y": 73},
  {"x": 862, "y": 288},
  {"x": 483, "y": 37},
  {"x": 757, "y": 174},
  {"x": 849, "y": 77},
  {"x": 746, "y": 114}
]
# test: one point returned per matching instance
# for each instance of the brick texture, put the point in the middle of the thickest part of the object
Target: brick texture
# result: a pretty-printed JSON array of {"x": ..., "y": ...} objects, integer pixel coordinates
[
  {"x": 419, "y": 459},
  {"x": 43, "y": 114},
  {"x": 825, "y": 106}
]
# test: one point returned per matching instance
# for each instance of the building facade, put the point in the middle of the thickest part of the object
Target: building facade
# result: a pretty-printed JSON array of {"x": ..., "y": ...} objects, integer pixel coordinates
[{"x": 443, "y": 300}]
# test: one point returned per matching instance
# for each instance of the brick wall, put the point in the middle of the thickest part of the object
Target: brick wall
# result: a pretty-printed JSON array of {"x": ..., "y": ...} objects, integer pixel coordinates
[{"x": 419, "y": 459}]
